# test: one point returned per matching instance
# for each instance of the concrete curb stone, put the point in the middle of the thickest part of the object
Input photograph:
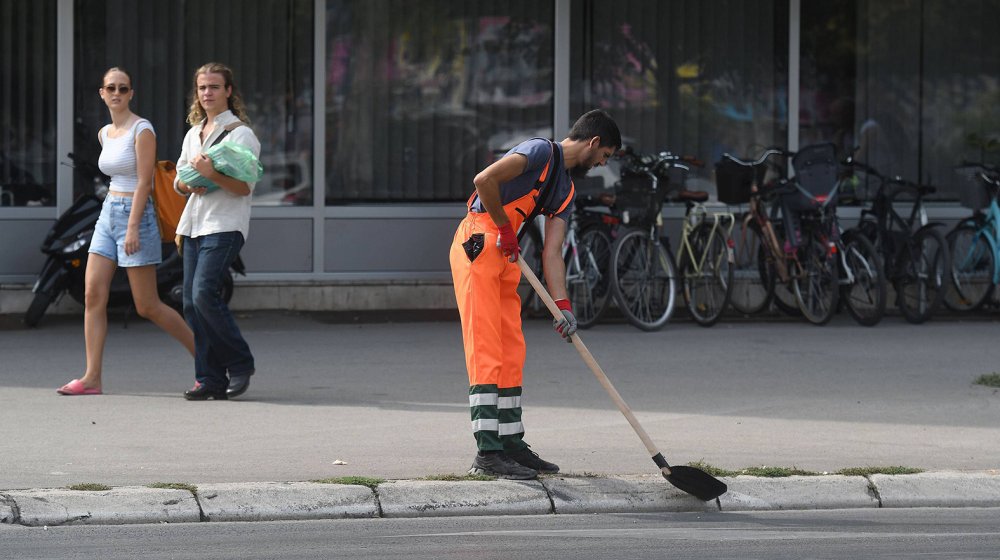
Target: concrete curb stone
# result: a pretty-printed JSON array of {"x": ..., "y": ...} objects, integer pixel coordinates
[
  {"x": 797, "y": 492},
  {"x": 272, "y": 501},
  {"x": 118, "y": 506},
  {"x": 6, "y": 509},
  {"x": 620, "y": 494},
  {"x": 941, "y": 489},
  {"x": 436, "y": 498}
]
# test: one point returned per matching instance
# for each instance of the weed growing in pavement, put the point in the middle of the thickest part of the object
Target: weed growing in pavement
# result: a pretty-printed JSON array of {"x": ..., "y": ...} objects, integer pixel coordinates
[
  {"x": 90, "y": 487},
  {"x": 455, "y": 477},
  {"x": 866, "y": 471},
  {"x": 355, "y": 480},
  {"x": 762, "y": 471},
  {"x": 989, "y": 380},
  {"x": 713, "y": 470},
  {"x": 174, "y": 486}
]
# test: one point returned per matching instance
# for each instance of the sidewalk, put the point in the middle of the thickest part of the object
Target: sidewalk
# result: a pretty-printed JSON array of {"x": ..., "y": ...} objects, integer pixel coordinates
[
  {"x": 338, "y": 396},
  {"x": 548, "y": 495}
]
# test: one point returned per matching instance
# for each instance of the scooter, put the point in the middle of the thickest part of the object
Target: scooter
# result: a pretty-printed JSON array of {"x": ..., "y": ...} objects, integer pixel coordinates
[{"x": 67, "y": 245}]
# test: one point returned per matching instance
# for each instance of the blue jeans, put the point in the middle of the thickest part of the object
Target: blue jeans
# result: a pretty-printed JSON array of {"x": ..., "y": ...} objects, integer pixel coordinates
[{"x": 219, "y": 345}]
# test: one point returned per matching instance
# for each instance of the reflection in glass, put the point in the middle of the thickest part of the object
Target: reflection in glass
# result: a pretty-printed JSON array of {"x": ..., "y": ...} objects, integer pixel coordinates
[
  {"x": 693, "y": 77},
  {"x": 28, "y": 103},
  {"x": 420, "y": 95},
  {"x": 162, "y": 43}
]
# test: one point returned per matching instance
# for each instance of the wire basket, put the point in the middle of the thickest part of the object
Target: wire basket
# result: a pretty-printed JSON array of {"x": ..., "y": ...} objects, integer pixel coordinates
[
  {"x": 973, "y": 192},
  {"x": 733, "y": 181},
  {"x": 636, "y": 201}
]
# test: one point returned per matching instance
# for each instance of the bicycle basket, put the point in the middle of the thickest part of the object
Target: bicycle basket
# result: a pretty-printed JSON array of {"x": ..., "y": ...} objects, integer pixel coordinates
[
  {"x": 733, "y": 181},
  {"x": 635, "y": 199},
  {"x": 816, "y": 169},
  {"x": 973, "y": 192}
]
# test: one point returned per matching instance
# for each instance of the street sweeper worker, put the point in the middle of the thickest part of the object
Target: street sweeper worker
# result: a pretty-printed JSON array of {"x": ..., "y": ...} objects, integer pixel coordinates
[{"x": 532, "y": 179}]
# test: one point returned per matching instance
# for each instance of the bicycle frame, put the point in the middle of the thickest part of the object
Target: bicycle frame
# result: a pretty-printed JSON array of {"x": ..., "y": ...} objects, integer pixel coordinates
[
  {"x": 989, "y": 230},
  {"x": 696, "y": 216}
]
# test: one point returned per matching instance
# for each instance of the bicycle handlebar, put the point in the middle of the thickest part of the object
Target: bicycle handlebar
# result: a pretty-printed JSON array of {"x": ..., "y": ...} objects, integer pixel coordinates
[{"x": 773, "y": 151}]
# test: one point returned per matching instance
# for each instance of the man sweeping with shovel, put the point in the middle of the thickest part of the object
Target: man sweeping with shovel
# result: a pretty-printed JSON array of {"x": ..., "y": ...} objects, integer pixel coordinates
[{"x": 530, "y": 180}]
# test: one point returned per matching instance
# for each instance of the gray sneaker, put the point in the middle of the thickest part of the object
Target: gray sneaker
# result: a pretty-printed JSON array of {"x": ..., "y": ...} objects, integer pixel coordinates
[
  {"x": 501, "y": 466},
  {"x": 528, "y": 458}
]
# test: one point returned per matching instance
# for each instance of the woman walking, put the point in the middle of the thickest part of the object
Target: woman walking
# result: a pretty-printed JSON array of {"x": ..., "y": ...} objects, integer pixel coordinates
[{"x": 126, "y": 233}]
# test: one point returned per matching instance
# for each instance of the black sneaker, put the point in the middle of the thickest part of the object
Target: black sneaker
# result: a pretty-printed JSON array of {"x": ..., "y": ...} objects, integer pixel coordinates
[
  {"x": 501, "y": 466},
  {"x": 528, "y": 458}
]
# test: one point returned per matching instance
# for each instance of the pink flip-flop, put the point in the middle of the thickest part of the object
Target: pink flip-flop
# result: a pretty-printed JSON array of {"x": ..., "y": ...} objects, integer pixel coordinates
[{"x": 76, "y": 387}]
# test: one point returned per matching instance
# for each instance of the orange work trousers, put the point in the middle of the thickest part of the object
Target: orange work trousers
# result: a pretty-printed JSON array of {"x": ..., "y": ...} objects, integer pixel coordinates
[{"x": 489, "y": 306}]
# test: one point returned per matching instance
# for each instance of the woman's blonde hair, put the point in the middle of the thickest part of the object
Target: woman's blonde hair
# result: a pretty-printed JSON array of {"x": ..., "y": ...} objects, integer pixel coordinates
[{"x": 196, "y": 114}]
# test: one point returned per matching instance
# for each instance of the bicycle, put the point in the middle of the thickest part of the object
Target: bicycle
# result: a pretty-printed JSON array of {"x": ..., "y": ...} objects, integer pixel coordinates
[
  {"x": 975, "y": 241},
  {"x": 643, "y": 273},
  {"x": 914, "y": 252},
  {"x": 705, "y": 259},
  {"x": 586, "y": 254},
  {"x": 799, "y": 243}
]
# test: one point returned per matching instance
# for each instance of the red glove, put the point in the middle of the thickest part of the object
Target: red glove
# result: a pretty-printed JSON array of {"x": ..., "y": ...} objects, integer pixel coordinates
[{"x": 507, "y": 241}]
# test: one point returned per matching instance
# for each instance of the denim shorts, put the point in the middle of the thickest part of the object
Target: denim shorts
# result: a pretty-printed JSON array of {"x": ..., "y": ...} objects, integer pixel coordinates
[{"x": 109, "y": 233}]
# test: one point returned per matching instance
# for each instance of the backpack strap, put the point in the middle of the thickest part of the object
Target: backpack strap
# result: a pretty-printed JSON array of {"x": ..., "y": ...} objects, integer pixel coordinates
[
  {"x": 547, "y": 187},
  {"x": 225, "y": 132}
]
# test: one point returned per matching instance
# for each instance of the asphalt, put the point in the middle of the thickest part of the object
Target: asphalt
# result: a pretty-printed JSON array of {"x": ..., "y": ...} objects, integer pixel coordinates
[{"x": 380, "y": 396}]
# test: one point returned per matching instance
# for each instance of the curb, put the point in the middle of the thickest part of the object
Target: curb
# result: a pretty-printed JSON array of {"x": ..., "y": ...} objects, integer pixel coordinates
[{"x": 274, "y": 501}]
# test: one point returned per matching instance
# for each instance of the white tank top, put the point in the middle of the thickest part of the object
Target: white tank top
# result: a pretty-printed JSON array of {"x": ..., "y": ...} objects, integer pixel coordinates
[{"x": 118, "y": 157}]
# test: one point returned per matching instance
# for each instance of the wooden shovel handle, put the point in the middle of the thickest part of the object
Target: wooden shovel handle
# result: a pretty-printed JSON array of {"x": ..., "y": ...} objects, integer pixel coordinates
[{"x": 589, "y": 359}]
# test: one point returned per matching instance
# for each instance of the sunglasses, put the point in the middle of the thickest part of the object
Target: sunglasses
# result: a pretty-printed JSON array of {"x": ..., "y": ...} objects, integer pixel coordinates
[{"x": 122, "y": 89}]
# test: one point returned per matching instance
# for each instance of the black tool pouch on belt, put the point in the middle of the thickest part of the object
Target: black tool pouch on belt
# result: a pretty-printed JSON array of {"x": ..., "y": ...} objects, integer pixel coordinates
[{"x": 473, "y": 246}]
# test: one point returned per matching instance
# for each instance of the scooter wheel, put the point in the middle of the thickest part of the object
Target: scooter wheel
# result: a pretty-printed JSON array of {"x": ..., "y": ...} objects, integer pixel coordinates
[{"x": 37, "y": 308}]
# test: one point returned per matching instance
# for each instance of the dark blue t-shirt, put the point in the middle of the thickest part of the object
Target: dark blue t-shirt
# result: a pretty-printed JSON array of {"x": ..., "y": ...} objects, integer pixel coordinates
[{"x": 537, "y": 150}]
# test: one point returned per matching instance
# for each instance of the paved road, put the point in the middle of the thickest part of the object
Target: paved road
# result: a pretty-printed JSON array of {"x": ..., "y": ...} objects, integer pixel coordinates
[
  {"x": 888, "y": 533},
  {"x": 389, "y": 399}
]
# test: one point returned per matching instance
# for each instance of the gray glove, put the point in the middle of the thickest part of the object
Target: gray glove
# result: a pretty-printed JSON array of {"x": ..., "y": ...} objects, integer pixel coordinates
[{"x": 566, "y": 326}]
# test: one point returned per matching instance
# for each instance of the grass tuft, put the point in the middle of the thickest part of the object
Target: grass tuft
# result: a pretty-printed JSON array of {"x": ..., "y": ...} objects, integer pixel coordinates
[
  {"x": 713, "y": 470},
  {"x": 174, "y": 486},
  {"x": 456, "y": 477},
  {"x": 988, "y": 380},
  {"x": 776, "y": 472},
  {"x": 355, "y": 480},
  {"x": 866, "y": 471},
  {"x": 90, "y": 487}
]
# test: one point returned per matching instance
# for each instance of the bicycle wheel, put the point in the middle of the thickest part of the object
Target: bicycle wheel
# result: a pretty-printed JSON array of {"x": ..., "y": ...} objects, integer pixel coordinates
[
  {"x": 863, "y": 279},
  {"x": 644, "y": 280},
  {"x": 972, "y": 266},
  {"x": 706, "y": 274},
  {"x": 923, "y": 267},
  {"x": 753, "y": 284},
  {"x": 587, "y": 279},
  {"x": 817, "y": 288},
  {"x": 531, "y": 250}
]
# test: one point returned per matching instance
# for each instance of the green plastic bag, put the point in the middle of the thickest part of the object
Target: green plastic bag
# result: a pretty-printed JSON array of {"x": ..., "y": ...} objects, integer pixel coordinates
[{"x": 229, "y": 158}]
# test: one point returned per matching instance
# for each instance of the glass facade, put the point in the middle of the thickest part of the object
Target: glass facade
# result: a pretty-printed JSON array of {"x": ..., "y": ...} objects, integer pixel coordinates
[
  {"x": 410, "y": 99},
  {"x": 420, "y": 95},
  {"x": 694, "y": 77},
  {"x": 267, "y": 43},
  {"x": 27, "y": 103},
  {"x": 911, "y": 87}
]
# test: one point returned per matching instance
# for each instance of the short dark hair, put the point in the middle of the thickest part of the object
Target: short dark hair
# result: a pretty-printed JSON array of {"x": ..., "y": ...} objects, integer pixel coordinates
[{"x": 597, "y": 123}]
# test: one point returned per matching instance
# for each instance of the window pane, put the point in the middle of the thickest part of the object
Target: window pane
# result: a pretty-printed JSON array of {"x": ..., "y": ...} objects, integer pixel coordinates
[
  {"x": 141, "y": 38},
  {"x": 912, "y": 85},
  {"x": 421, "y": 94},
  {"x": 695, "y": 77},
  {"x": 28, "y": 103},
  {"x": 267, "y": 43},
  {"x": 269, "y": 46}
]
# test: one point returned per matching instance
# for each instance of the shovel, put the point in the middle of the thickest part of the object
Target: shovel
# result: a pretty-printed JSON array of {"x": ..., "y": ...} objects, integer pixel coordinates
[{"x": 694, "y": 481}]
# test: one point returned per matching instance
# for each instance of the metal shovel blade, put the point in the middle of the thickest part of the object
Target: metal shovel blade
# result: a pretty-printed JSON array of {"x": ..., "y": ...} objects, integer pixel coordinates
[{"x": 696, "y": 482}]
